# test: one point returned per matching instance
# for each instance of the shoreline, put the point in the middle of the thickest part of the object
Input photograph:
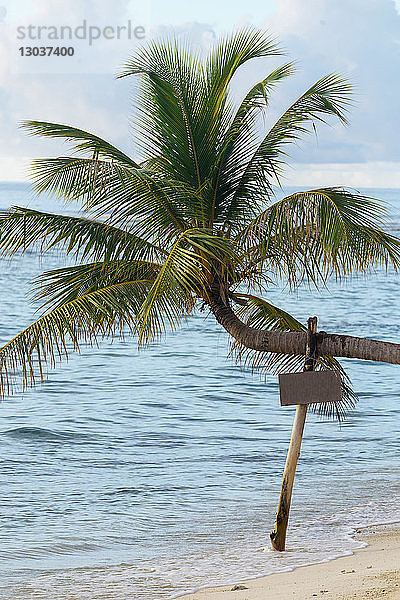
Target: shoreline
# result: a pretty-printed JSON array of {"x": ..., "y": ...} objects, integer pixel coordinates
[{"x": 367, "y": 573}]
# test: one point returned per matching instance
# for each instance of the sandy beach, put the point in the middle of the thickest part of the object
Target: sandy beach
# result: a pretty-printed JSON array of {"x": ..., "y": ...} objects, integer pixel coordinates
[{"x": 370, "y": 573}]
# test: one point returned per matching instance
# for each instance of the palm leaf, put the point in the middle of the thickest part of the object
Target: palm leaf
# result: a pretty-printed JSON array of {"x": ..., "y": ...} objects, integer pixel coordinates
[
  {"x": 82, "y": 141},
  {"x": 170, "y": 83},
  {"x": 314, "y": 233},
  {"x": 92, "y": 179},
  {"x": 61, "y": 286},
  {"x": 108, "y": 190},
  {"x": 184, "y": 109},
  {"x": 240, "y": 139},
  {"x": 23, "y": 228},
  {"x": 259, "y": 313},
  {"x": 229, "y": 54},
  {"x": 84, "y": 320},
  {"x": 330, "y": 96},
  {"x": 194, "y": 258}
]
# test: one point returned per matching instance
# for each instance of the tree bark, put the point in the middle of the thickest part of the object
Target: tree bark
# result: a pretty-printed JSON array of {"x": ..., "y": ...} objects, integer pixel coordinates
[
  {"x": 278, "y": 536},
  {"x": 287, "y": 342}
]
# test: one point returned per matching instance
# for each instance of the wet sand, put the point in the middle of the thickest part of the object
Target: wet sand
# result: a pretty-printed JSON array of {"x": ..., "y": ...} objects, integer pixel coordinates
[{"x": 370, "y": 573}]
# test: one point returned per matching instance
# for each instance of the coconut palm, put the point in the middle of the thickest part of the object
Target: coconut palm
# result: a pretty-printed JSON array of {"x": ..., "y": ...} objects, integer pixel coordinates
[{"x": 195, "y": 221}]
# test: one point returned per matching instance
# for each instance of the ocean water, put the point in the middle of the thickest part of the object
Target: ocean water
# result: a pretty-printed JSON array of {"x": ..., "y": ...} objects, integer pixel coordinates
[{"x": 143, "y": 475}]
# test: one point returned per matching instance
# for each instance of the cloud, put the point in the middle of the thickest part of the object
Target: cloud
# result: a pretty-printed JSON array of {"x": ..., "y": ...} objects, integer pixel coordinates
[
  {"x": 98, "y": 34},
  {"x": 361, "y": 40},
  {"x": 83, "y": 93},
  {"x": 374, "y": 174},
  {"x": 200, "y": 35}
]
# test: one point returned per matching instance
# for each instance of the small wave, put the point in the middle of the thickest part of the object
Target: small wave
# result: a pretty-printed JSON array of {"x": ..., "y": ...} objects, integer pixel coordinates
[
  {"x": 37, "y": 434},
  {"x": 58, "y": 549}
]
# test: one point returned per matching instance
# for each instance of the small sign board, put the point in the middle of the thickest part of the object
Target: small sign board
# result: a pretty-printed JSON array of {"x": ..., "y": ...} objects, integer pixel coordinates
[{"x": 309, "y": 387}]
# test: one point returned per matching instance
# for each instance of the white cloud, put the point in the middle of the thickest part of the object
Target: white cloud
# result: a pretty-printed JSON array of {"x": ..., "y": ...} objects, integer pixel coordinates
[
  {"x": 384, "y": 174},
  {"x": 14, "y": 168},
  {"x": 100, "y": 34},
  {"x": 360, "y": 39}
]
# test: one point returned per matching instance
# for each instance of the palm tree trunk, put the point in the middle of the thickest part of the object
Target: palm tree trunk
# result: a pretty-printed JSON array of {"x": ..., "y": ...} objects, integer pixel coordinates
[
  {"x": 294, "y": 343},
  {"x": 287, "y": 342}
]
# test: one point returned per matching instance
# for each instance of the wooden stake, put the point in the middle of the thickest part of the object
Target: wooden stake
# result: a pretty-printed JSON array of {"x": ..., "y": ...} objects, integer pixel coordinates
[{"x": 278, "y": 536}]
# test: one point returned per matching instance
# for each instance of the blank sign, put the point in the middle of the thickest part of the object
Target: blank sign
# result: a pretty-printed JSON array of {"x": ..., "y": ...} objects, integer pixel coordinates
[{"x": 310, "y": 387}]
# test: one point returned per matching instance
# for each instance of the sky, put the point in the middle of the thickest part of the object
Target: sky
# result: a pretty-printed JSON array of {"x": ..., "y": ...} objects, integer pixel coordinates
[{"x": 359, "y": 39}]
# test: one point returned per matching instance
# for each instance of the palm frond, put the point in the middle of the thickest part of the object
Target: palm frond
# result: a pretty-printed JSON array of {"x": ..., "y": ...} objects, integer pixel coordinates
[
  {"x": 229, "y": 54},
  {"x": 232, "y": 52},
  {"x": 85, "y": 320},
  {"x": 193, "y": 260},
  {"x": 184, "y": 109},
  {"x": 23, "y": 228},
  {"x": 91, "y": 178},
  {"x": 240, "y": 139},
  {"x": 60, "y": 286},
  {"x": 122, "y": 195},
  {"x": 323, "y": 231},
  {"x": 330, "y": 96},
  {"x": 82, "y": 141},
  {"x": 261, "y": 314},
  {"x": 170, "y": 82}
]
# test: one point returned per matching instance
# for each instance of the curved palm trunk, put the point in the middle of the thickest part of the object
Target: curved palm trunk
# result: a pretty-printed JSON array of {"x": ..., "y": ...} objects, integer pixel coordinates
[
  {"x": 295, "y": 343},
  {"x": 287, "y": 342}
]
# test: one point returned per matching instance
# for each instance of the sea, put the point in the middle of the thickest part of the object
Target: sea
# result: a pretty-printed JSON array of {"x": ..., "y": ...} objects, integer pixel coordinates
[{"x": 146, "y": 474}]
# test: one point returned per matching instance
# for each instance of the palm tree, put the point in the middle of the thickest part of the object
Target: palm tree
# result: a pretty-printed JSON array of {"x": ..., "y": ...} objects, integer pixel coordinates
[{"x": 195, "y": 221}]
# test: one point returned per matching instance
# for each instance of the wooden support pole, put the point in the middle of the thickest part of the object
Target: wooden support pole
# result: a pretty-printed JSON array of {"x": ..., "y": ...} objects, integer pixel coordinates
[{"x": 278, "y": 536}]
